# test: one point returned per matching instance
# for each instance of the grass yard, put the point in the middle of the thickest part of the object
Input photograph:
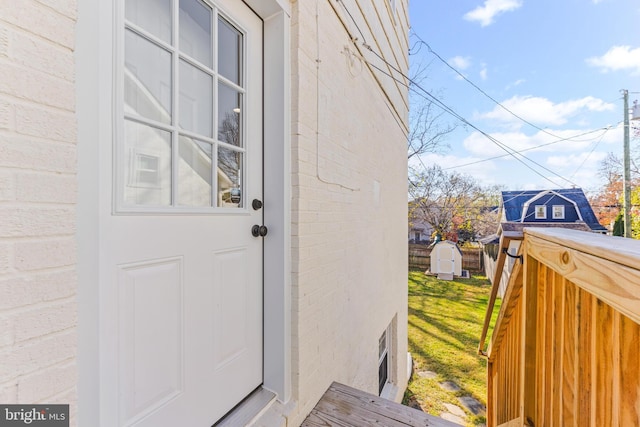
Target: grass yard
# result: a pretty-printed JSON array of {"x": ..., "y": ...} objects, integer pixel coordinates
[{"x": 445, "y": 322}]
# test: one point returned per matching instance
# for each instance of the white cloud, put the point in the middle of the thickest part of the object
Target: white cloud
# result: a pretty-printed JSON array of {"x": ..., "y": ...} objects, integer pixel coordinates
[
  {"x": 483, "y": 72},
  {"x": 542, "y": 111},
  {"x": 514, "y": 84},
  {"x": 479, "y": 145},
  {"x": 486, "y": 13},
  {"x": 585, "y": 159},
  {"x": 581, "y": 168},
  {"x": 618, "y": 58},
  {"x": 569, "y": 158},
  {"x": 484, "y": 172},
  {"x": 460, "y": 62},
  {"x": 573, "y": 160}
]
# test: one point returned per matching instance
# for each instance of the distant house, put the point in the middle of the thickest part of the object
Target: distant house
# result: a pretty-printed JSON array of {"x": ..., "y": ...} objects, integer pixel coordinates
[
  {"x": 419, "y": 229},
  {"x": 420, "y": 232},
  {"x": 567, "y": 208},
  {"x": 564, "y": 208}
]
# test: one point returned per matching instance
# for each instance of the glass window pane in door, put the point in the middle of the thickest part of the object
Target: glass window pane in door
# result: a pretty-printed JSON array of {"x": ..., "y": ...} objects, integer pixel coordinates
[
  {"x": 147, "y": 165},
  {"x": 153, "y": 16},
  {"x": 147, "y": 79},
  {"x": 194, "y": 172},
  {"x": 230, "y": 191},
  {"x": 195, "y": 30},
  {"x": 229, "y": 51},
  {"x": 196, "y": 100},
  {"x": 229, "y": 115}
]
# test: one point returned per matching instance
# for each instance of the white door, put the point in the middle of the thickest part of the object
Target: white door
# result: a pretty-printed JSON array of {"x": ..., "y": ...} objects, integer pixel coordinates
[
  {"x": 181, "y": 271},
  {"x": 446, "y": 260}
]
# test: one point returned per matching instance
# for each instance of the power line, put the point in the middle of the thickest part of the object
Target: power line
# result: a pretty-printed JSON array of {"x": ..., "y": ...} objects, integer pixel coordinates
[
  {"x": 422, "y": 42},
  {"x": 532, "y": 148},
  {"x": 344, "y": 6},
  {"x": 449, "y": 110},
  {"x": 452, "y": 112},
  {"x": 366, "y": 45},
  {"x": 354, "y": 40},
  {"x": 588, "y": 155}
]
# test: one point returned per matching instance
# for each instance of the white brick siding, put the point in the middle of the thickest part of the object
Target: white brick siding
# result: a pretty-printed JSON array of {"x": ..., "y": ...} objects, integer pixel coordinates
[
  {"x": 24, "y": 290},
  {"x": 36, "y": 86},
  {"x": 45, "y": 123},
  {"x": 4, "y": 42},
  {"x": 7, "y": 187},
  {"x": 44, "y": 254},
  {"x": 38, "y": 342},
  {"x": 6, "y": 115},
  {"x": 5, "y": 254},
  {"x": 40, "y": 19},
  {"x": 42, "y": 55},
  {"x": 36, "y": 221},
  {"x": 33, "y": 356},
  {"x": 45, "y": 188},
  {"x": 349, "y": 199},
  {"x": 36, "y": 155},
  {"x": 43, "y": 385}
]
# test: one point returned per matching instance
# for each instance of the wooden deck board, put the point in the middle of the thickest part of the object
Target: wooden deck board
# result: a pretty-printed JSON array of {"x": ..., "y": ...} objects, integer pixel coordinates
[{"x": 344, "y": 406}]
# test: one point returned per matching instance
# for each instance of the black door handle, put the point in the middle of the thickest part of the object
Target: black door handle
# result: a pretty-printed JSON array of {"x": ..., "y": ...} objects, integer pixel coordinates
[{"x": 259, "y": 230}]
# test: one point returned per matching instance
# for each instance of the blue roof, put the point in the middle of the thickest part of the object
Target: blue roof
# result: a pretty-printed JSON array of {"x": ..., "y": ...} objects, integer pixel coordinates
[{"x": 514, "y": 202}]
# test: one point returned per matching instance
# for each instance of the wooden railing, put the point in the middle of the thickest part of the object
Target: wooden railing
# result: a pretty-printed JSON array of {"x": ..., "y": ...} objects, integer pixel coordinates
[{"x": 566, "y": 345}]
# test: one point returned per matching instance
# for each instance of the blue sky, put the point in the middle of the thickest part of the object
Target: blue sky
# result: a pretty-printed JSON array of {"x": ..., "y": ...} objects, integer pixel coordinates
[{"x": 559, "y": 64}]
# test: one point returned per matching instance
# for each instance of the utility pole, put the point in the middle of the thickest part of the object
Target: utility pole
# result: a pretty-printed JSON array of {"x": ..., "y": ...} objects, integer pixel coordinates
[{"x": 627, "y": 168}]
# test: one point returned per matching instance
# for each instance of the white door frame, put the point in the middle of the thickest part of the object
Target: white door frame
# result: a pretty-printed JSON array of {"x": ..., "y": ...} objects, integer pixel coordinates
[{"x": 95, "y": 35}]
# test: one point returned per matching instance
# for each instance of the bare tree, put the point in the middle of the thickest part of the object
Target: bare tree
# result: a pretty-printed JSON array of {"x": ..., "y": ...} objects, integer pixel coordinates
[
  {"x": 439, "y": 197},
  {"x": 482, "y": 215},
  {"x": 453, "y": 202},
  {"x": 230, "y": 161},
  {"x": 428, "y": 128},
  {"x": 611, "y": 167}
]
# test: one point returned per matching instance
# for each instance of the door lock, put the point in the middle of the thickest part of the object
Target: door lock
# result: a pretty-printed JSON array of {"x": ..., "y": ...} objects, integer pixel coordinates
[
  {"x": 256, "y": 204},
  {"x": 259, "y": 230}
]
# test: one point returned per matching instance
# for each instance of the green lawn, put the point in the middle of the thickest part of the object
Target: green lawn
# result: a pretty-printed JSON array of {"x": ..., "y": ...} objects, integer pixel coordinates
[{"x": 445, "y": 322}]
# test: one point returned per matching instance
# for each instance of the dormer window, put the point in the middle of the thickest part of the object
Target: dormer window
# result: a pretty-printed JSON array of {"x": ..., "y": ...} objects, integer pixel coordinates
[{"x": 558, "y": 211}]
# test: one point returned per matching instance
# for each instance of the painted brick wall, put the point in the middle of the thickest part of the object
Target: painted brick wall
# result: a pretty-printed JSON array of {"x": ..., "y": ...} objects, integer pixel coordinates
[
  {"x": 37, "y": 202},
  {"x": 349, "y": 196}
]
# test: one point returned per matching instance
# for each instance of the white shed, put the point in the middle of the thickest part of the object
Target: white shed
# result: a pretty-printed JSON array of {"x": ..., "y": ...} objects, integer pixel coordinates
[{"x": 446, "y": 260}]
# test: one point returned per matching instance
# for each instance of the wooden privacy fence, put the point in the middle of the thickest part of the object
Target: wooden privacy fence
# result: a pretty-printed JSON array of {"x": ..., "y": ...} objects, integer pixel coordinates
[
  {"x": 566, "y": 345},
  {"x": 420, "y": 257}
]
